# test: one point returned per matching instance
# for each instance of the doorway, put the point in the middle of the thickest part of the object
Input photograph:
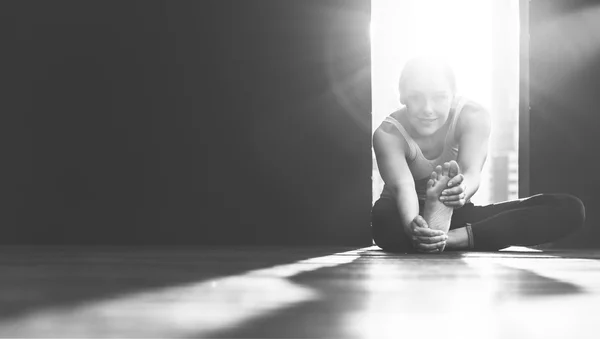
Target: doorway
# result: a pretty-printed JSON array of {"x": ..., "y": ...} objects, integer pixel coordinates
[{"x": 480, "y": 40}]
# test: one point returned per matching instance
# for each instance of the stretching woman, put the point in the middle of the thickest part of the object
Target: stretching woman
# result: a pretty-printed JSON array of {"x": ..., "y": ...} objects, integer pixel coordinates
[{"x": 430, "y": 155}]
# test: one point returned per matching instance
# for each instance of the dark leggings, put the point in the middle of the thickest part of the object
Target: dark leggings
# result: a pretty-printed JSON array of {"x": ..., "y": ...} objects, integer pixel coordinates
[{"x": 531, "y": 221}]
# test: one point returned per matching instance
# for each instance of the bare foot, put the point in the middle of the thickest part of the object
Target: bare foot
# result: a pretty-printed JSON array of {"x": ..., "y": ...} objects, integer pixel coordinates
[{"x": 436, "y": 214}]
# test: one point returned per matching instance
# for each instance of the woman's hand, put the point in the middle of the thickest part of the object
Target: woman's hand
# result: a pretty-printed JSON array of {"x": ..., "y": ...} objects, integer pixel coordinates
[
  {"x": 425, "y": 239},
  {"x": 455, "y": 195}
]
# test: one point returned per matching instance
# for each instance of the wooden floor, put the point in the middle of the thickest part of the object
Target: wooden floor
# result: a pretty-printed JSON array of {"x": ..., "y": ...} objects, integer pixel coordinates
[{"x": 297, "y": 293}]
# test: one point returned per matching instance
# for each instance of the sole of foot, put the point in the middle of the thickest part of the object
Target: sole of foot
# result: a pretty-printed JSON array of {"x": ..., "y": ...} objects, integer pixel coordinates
[{"x": 436, "y": 214}]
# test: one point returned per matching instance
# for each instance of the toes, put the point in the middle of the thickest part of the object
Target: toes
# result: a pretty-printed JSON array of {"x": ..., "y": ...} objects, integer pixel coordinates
[
  {"x": 430, "y": 182},
  {"x": 445, "y": 169},
  {"x": 454, "y": 169},
  {"x": 433, "y": 176},
  {"x": 438, "y": 171}
]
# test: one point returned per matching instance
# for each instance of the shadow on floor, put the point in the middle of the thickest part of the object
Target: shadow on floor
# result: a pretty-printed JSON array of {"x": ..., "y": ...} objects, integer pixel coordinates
[{"x": 37, "y": 278}]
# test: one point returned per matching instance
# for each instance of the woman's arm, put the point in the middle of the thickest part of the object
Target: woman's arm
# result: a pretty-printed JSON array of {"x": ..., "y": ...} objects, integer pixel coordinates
[
  {"x": 390, "y": 150},
  {"x": 473, "y": 131}
]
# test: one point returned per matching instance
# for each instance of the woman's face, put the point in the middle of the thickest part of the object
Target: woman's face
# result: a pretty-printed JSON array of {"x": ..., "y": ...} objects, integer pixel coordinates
[{"x": 428, "y": 99}]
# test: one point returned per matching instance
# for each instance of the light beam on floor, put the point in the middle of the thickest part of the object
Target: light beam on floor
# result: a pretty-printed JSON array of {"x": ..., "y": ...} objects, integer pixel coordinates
[{"x": 196, "y": 309}]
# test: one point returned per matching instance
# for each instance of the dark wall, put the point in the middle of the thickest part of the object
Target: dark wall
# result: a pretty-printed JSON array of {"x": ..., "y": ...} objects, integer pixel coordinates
[
  {"x": 186, "y": 122},
  {"x": 564, "y": 115}
]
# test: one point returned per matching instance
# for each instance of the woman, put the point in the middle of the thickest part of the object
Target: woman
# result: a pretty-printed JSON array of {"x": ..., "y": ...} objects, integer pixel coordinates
[{"x": 430, "y": 155}]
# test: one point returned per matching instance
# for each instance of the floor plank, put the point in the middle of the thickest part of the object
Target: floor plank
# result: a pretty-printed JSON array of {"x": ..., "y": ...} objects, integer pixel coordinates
[{"x": 278, "y": 292}]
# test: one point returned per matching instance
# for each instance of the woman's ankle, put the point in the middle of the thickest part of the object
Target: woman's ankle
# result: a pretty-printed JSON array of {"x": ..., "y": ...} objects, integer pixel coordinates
[{"x": 458, "y": 239}]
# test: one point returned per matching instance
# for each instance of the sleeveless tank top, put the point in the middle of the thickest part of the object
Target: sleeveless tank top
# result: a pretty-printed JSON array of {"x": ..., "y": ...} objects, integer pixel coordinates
[{"x": 421, "y": 167}]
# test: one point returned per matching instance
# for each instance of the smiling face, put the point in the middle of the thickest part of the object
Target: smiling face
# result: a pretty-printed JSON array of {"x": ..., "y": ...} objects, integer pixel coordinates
[{"x": 427, "y": 91}]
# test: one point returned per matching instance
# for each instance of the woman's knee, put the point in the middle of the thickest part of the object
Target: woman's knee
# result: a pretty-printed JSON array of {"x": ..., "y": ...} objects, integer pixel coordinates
[
  {"x": 386, "y": 228},
  {"x": 382, "y": 231},
  {"x": 568, "y": 207},
  {"x": 395, "y": 242},
  {"x": 574, "y": 209}
]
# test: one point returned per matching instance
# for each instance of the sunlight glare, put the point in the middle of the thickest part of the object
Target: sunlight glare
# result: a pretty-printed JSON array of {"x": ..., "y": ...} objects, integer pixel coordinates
[{"x": 404, "y": 29}]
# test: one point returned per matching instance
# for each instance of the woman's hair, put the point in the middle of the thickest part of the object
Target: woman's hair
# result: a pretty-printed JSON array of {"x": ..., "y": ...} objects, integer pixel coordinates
[{"x": 415, "y": 66}]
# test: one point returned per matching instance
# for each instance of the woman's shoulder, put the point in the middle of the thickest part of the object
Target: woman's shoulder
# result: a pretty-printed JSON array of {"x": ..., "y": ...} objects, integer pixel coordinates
[
  {"x": 388, "y": 134},
  {"x": 469, "y": 105},
  {"x": 473, "y": 115},
  {"x": 387, "y": 125},
  {"x": 398, "y": 114},
  {"x": 390, "y": 122}
]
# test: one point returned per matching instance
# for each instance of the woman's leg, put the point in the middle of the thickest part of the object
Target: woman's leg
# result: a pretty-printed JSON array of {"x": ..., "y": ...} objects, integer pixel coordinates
[
  {"x": 387, "y": 229},
  {"x": 525, "y": 222}
]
